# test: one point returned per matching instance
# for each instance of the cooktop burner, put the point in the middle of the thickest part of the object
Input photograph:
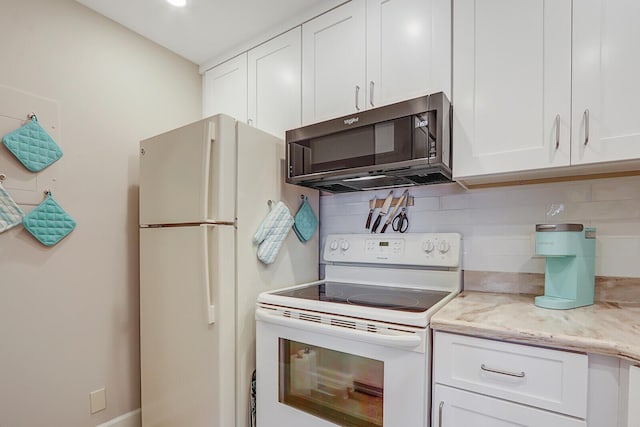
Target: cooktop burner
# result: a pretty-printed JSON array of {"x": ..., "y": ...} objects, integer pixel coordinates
[{"x": 384, "y": 297}]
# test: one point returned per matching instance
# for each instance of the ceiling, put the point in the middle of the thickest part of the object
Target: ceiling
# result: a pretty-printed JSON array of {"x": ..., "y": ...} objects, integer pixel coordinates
[{"x": 204, "y": 30}]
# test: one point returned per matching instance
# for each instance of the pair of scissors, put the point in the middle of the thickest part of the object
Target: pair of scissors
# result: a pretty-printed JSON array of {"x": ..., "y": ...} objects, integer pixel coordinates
[{"x": 401, "y": 222}]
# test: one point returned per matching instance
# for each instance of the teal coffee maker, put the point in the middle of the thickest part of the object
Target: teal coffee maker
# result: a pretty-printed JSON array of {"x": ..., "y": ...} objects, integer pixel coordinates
[{"x": 569, "y": 274}]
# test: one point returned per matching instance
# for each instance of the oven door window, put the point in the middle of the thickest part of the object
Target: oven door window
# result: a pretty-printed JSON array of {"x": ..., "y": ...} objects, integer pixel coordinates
[{"x": 339, "y": 387}]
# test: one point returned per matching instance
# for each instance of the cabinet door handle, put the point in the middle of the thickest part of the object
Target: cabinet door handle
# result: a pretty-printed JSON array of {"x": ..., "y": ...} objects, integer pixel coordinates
[
  {"x": 440, "y": 414},
  {"x": 557, "y": 131},
  {"x": 357, "y": 96},
  {"x": 586, "y": 126},
  {"x": 501, "y": 372},
  {"x": 371, "y": 86}
]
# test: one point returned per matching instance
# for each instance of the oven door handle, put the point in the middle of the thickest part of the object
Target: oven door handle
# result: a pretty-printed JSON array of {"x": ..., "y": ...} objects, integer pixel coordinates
[{"x": 409, "y": 340}]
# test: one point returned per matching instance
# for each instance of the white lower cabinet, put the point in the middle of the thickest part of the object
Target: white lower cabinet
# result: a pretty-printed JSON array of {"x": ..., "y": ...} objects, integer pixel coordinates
[
  {"x": 458, "y": 408},
  {"x": 482, "y": 382},
  {"x": 633, "y": 415}
]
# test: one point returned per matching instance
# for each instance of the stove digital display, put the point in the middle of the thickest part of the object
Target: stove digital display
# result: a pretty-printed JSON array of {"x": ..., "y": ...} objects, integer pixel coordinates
[{"x": 384, "y": 243}]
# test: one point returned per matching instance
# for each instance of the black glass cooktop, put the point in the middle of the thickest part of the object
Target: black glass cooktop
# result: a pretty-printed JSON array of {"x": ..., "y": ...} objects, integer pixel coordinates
[{"x": 384, "y": 297}]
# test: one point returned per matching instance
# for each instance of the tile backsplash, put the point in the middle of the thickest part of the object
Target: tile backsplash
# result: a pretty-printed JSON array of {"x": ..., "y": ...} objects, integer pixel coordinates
[{"x": 498, "y": 224}]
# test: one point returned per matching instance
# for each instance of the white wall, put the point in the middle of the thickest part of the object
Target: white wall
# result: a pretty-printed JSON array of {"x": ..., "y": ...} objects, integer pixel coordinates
[
  {"x": 69, "y": 314},
  {"x": 497, "y": 224}
]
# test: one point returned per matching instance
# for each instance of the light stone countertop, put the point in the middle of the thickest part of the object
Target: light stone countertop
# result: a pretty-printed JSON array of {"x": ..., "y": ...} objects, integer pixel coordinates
[{"x": 611, "y": 329}]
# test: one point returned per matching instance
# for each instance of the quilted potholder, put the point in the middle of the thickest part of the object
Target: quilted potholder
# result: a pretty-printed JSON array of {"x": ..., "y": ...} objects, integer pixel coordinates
[
  {"x": 10, "y": 214},
  {"x": 48, "y": 222},
  {"x": 272, "y": 233},
  {"x": 305, "y": 221},
  {"x": 32, "y": 146}
]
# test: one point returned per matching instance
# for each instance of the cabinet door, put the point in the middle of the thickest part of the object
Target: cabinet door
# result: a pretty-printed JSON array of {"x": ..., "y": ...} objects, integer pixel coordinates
[
  {"x": 606, "y": 67},
  {"x": 408, "y": 49},
  {"x": 225, "y": 89},
  {"x": 274, "y": 84},
  {"x": 333, "y": 63},
  {"x": 457, "y": 408},
  {"x": 512, "y": 80},
  {"x": 633, "y": 416}
]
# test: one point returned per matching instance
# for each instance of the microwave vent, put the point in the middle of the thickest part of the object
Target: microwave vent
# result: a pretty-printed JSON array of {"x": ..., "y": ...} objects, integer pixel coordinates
[{"x": 431, "y": 178}]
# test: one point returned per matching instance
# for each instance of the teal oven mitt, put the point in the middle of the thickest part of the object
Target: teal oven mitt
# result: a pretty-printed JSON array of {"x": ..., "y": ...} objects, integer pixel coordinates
[
  {"x": 305, "y": 221},
  {"x": 32, "y": 146},
  {"x": 48, "y": 222}
]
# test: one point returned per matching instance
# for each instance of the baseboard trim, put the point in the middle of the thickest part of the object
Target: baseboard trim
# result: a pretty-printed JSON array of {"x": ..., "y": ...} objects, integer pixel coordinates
[{"x": 130, "y": 419}]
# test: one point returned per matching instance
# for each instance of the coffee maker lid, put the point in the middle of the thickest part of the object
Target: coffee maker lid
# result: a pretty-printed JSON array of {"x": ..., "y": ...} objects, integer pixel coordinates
[{"x": 559, "y": 227}]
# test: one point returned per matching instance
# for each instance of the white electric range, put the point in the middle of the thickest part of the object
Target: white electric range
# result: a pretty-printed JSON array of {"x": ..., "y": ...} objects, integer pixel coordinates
[{"x": 354, "y": 349}]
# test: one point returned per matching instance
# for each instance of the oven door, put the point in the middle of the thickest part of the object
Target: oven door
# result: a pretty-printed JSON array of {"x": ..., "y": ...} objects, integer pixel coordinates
[{"x": 320, "y": 372}]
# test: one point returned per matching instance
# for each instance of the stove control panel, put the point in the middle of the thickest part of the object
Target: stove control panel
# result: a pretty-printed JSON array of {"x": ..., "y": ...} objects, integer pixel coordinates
[{"x": 420, "y": 249}]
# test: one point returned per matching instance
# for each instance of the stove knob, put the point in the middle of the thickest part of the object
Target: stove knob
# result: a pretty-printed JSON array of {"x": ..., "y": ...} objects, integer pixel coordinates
[
  {"x": 444, "y": 246},
  {"x": 428, "y": 246},
  {"x": 344, "y": 245},
  {"x": 333, "y": 245}
]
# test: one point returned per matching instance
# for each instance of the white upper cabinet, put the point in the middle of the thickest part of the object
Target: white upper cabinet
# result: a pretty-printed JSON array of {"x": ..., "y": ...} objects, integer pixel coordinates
[
  {"x": 606, "y": 80},
  {"x": 274, "y": 93},
  {"x": 333, "y": 63},
  {"x": 408, "y": 49},
  {"x": 368, "y": 53},
  {"x": 512, "y": 85},
  {"x": 225, "y": 89}
]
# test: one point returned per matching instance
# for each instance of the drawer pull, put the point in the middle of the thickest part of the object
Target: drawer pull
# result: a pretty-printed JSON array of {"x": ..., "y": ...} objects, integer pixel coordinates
[
  {"x": 440, "y": 414},
  {"x": 500, "y": 371}
]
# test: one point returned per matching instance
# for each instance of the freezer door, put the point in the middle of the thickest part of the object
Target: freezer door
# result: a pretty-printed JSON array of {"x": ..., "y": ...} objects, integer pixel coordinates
[
  {"x": 188, "y": 175},
  {"x": 187, "y": 324}
]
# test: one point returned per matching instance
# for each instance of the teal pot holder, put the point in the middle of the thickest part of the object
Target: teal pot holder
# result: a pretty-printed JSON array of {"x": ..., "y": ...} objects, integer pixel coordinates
[
  {"x": 48, "y": 222},
  {"x": 32, "y": 146},
  {"x": 305, "y": 221}
]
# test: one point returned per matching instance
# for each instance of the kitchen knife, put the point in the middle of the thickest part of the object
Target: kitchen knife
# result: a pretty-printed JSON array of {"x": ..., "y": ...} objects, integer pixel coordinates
[
  {"x": 393, "y": 212},
  {"x": 383, "y": 211},
  {"x": 372, "y": 207}
]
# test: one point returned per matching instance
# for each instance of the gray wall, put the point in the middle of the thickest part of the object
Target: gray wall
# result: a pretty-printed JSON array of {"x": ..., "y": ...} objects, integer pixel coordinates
[{"x": 69, "y": 314}]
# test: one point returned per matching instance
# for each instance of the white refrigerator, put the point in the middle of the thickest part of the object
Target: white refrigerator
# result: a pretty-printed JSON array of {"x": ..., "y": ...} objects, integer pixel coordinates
[{"x": 204, "y": 190}]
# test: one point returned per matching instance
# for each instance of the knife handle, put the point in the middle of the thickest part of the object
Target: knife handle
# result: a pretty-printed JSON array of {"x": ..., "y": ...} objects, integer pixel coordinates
[
  {"x": 369, "y": 219},
  {"x": 376, "y": 223},
  {"x": 384, "y": 227}
]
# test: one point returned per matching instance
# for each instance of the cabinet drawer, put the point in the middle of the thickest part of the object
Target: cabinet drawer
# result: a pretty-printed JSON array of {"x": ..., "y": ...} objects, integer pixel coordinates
[
  {"x": 457, "y": 408},
  {"x": 549, "y": 379}
]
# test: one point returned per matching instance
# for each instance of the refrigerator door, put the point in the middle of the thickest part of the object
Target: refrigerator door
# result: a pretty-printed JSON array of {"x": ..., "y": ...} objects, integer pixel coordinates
[
  {"x": 187, "y": 325},
  {"x": 188, "y": 175}
]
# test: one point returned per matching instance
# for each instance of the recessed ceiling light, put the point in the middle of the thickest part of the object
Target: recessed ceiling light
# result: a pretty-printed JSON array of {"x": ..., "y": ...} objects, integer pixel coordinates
[{"x": 177, "y": 3}]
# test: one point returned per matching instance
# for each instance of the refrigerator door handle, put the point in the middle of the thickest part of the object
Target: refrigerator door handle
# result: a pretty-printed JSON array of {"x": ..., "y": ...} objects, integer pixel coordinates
[
  {"x": 211, "y": 308},
  {"x": 211, "y": 132}
]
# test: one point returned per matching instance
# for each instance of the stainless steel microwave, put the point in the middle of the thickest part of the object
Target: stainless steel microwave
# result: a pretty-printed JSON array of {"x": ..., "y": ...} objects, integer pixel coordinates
[{"x": 397, "y": 145}]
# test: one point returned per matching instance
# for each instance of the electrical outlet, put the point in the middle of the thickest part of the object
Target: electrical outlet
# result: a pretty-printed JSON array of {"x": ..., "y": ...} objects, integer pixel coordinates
[
  {"x": 532, "y": 243},
  {"x": 98, "y": 400}
]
